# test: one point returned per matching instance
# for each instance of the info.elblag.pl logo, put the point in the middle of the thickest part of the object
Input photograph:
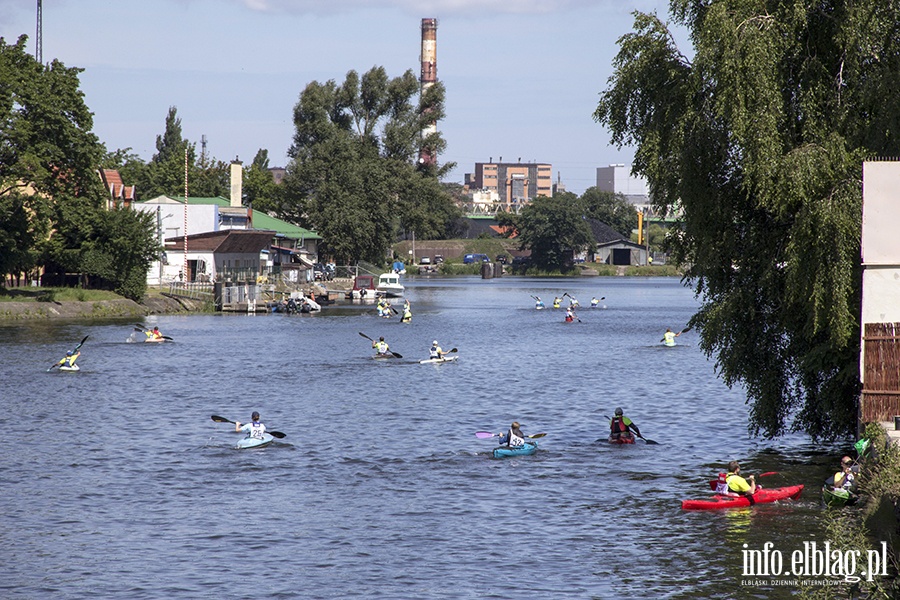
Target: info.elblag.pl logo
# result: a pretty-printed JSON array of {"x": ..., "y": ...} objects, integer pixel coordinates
[{"x": 813, "y": 561}]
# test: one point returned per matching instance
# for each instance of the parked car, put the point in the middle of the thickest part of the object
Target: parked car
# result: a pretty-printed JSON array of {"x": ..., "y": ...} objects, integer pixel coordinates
[
  {"x": 468, "y": 259},
  {"x": 438, "y": 259},
  {"x": 425, "y": 260},
  {"x": 322, "y": 272}
]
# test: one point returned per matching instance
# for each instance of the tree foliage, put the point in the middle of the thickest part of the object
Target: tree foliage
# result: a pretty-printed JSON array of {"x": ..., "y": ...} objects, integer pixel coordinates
[
  {"x": 759, "y": 139},
  {"x": 552, "y": 228},
  {"x": 611, "y": 208},
  {"x": 52, "y": 204},
  {"x": 354, "y": 177}
]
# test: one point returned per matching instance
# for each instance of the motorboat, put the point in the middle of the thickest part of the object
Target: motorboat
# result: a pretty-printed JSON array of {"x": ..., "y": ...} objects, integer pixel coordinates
[{"x": 389, "y": 285}]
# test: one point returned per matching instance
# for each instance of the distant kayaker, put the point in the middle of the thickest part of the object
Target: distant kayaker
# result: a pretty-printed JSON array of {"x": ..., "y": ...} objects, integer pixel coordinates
[
  {"x": 513, "y": 438},
  {"x": 669, "y": 337},
  {"x": 736, "y": 483},
  {"x": 253, "y": 429},
  {"x": 845, "y": 478},
  {"x": 407, "y": 313},
  {"x": 382, "y": 346},
  {"x": 573, "y": 303},
  {"x": 620, "y": 428},
  {"x": 154, "y": 334},
  {"x": 69, "y": 359},
  {"x": 436, "y": 351},
  {"x": 557, "y": 302},
  {"x": 538, "y": 303},
  {"x": 570, "y": 315},
  {"x": 594, "y": 302}
]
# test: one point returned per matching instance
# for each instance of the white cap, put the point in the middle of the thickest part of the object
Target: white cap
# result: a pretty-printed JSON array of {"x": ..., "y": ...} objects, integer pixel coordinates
[{"x": 434, "y": 343}]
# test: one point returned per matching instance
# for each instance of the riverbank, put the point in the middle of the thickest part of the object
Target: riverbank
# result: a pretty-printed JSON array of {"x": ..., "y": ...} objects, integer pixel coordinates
[{"x": 43, "y": 303}]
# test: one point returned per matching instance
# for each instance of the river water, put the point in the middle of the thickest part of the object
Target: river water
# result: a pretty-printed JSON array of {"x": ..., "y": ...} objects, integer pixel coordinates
[{"x": 116, "y": 482}]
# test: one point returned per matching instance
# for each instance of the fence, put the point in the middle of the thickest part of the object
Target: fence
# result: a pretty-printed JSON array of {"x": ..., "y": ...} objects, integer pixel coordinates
[
  {"x": 881, "y": 376},
  {"x": 194, "y": 291}
]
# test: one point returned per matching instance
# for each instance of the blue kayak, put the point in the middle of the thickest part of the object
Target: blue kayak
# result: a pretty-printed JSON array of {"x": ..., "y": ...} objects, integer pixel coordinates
[
  {"x": 528, "y": 448},
  {"x": 250, "y": 442}
]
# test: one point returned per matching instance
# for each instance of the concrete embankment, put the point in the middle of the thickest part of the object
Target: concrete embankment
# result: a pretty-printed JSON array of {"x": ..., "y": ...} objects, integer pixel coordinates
[{"x": 97, "y": 309}]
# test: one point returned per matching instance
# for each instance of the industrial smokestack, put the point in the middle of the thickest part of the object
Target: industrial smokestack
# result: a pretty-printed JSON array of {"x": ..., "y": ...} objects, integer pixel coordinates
[{"x": 428, "y": 79}]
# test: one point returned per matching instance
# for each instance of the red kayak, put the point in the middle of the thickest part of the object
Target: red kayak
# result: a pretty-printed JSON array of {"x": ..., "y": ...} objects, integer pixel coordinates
[
  {"x": 762, "y": 496},
  {"x": 621, "y": 440}
]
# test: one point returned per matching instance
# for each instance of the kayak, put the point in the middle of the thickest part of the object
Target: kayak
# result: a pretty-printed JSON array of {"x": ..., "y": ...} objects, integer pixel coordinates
[
  {"x": 837, "y": 498},
  {"x": 437, "y": 361},
  {"x": 528, "y": 448},
  {"x": 250, "y": 442},
  {"x": 621, "y": 440},
  {"x": 72, "y": 369},
  {"x": 763, "y": 496},
  {"x": 383, "y": 356},
  {"x": 156, "y": 340}
]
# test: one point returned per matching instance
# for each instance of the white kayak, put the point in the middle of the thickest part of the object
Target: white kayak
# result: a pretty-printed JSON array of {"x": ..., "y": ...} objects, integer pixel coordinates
[
  {"x": 437, "y": 361},
  {"x": 72, "y": 369},
  {"x": 251, "y": 442}
]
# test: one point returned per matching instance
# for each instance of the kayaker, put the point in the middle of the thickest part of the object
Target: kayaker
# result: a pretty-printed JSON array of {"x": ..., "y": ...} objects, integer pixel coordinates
[
  {"x": 436, "y": 351},
  {"x": 407, "y": 313},
  {"x": 845, "y": 478},
  {"x": 154, "y": 334},
  {"x": 669, "y": 337},
  {"x": 538, "y": 303},
  {"x": 570, "y": 315},
  {"x": 253, "y": 429},
  {"x": 573, "y": 303},
  {"x": 69, "y": 359},
  {"x": 736, "y": 483},
  {"x": 594, "y": 302},
  {"x": 620, "y": 427},
  {"x": 514, "y": 438},
  {"x": 382, "y": 346},
  {"x": 557, "y": 301}
]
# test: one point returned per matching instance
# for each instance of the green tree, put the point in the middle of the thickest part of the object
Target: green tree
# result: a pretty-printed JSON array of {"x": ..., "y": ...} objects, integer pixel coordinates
[
  {"x": 552, "y": 228},
  {"x": 760, "y": 139},
  {"x": 354, "y": 175},
  {"x": 613, "y": 209},
  {"x": 260, "y": 189}
]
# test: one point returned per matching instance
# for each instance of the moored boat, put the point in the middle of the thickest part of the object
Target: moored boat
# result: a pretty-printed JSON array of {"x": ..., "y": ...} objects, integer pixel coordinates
[
  {"x": 524, "y": 450},
  {"x": 389, "y": 285},
  {"x": 252, "y": 442},
  {"x": 437, "y": 361},
  {"x": 363, "y": 288},
  {"x": 762, "y": 496}
]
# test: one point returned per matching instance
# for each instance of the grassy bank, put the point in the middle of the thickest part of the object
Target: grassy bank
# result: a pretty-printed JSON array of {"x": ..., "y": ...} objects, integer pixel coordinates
[{"x": 55, "y": 294}]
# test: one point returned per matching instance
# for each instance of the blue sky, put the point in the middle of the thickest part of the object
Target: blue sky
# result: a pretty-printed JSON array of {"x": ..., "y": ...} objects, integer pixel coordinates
[{"x": 522, "y": 76}]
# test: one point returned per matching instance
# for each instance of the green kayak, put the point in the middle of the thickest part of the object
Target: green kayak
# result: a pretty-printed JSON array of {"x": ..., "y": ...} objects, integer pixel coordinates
[{"x": 837, "y": 498}]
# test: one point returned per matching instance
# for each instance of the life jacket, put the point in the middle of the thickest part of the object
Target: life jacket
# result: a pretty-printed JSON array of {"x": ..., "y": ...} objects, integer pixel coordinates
[
  {"x": 382, "y": 347},
  {"x": 435, "y": 352},
  {"x": 407, "y": 315},
  {"x": 69, "y": 361},
  {"x": 514, "y": 441},
  {"x": 256, "y": 430},
  {"x": 617, "y": 425},
  {"x": 722, "y": 484}
]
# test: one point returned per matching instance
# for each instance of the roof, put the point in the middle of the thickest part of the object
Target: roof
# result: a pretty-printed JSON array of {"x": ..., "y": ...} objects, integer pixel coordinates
[
  {"x": 603, "y": 233},
  {"x": 227, "y": 241}
]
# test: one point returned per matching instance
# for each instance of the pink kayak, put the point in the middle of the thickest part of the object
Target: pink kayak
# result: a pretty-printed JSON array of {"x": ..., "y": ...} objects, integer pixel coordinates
[{"x": 762, "y": 496}]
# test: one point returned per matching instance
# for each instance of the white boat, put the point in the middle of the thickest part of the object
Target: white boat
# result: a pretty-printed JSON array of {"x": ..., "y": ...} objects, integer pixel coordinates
[
  {"x": 389, "y": 285},
  {"x": 437, "y": 361}
]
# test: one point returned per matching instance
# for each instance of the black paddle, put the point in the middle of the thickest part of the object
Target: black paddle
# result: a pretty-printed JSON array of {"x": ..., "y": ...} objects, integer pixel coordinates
[
  {"x": 219, "y": 419},
  {"x": 74, "y": 350},
  {"x": 396, "y": 354},
  {"x": 648, "y": 442},
  {"x": 144, "y": 330}
]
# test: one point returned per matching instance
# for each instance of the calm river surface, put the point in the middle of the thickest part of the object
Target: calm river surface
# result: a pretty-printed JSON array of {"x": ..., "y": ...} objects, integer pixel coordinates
[{"x": 117, "y": 484}]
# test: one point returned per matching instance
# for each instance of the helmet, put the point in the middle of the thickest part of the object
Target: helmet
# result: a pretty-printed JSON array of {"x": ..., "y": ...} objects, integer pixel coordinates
[
  {"x": 381, "y": 339},
  {"x": 434, "y": 343},
  {"x": 619, "y": 412},
  {"x": 255, "y": 416},
  {"x": 69, "y": 353}
]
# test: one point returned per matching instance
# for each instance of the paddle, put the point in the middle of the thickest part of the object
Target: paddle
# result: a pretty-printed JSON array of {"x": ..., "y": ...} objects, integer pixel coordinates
[
  {"x": 74, "y": 350},
  {"x": 685, "y": 330},
  {"x": 396, "y": 354},
  {"x": 648, "y": 442},
  {"x": 144, "y": 330},
  {"x": 487, "y": 434},
  {"x": 219, "y": 419}
]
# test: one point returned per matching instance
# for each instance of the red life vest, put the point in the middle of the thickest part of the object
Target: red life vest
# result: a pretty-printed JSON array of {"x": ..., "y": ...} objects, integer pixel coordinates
[{"x": 617, "y": 425}]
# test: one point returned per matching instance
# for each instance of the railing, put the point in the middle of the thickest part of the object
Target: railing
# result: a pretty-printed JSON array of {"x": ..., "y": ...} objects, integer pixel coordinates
[{"x": 194, "y": 291}]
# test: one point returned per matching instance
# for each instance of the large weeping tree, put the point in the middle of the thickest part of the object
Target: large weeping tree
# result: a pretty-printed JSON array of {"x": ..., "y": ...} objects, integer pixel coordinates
[{"x": 759, "y": 140}]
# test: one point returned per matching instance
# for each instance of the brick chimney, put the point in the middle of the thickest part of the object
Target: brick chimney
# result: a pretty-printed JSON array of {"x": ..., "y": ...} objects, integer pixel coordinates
[{"x": 237, "y": 183}]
